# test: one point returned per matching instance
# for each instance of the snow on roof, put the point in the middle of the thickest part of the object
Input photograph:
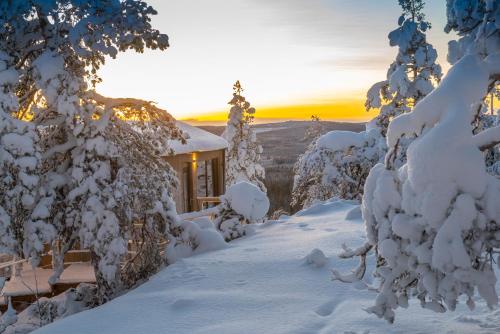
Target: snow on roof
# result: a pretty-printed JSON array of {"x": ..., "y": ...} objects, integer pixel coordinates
[{"x": 199, "y": 140}]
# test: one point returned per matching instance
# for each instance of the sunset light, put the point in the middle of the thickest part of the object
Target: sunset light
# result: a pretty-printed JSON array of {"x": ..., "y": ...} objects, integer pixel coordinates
[
  {"x": 294, "y": 58},
  {"x": 249, "y": 166}
]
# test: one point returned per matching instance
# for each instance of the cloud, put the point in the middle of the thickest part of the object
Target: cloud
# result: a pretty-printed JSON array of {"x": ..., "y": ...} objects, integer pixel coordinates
[
  {"x": 356, "y": 24},
  {"x": 359, "y": 61}
]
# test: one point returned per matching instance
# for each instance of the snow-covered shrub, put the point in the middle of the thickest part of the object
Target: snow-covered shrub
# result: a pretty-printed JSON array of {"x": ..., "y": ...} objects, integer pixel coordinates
[
  {"x": 242, "y": 204},
  {"x": 243, "y": 153},
  {"x": 336, "y": 165},
  {"x": 48, "y": 310},
  {"x": 78, "y": 167},
  {"x": 197, "y": 236},
  {"x": 435, "y": 221}
]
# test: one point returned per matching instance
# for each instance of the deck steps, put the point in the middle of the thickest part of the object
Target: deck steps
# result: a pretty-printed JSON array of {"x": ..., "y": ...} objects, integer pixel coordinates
[{"x": 24, "y": 289}]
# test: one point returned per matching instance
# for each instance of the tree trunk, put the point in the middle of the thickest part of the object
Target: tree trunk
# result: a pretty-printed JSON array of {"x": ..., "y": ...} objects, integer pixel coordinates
[{"x": 105, "y": 290}]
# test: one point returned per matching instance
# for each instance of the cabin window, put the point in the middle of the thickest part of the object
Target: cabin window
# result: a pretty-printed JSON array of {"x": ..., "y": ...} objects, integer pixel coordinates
[{"x": 205, "y": 174}]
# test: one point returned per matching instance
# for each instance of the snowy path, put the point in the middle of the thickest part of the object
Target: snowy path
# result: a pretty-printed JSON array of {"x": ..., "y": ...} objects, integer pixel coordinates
[{"x": 262, "y": 284}]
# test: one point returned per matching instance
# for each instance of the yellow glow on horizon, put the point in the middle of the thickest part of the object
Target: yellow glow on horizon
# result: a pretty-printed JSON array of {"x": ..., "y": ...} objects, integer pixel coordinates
[{"x": 347, "y": 110}]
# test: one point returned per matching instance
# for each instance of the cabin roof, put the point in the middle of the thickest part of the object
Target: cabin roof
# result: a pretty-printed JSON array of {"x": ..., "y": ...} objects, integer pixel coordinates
[{"x": 199, "y": 140}]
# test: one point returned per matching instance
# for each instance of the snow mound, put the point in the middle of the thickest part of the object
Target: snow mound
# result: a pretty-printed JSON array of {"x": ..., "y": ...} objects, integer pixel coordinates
[
  {"x": 247, "y": 200},
  {"x": 320, "y": 208},
  {"x": 354, "y": 214},
  {"x": 203, "y": 238},
  {"x": 316, "y": 258},
  {"x": 338, "y": 140}
]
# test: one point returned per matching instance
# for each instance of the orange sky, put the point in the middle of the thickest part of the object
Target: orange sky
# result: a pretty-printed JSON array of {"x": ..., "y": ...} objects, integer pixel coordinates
[{"x": 352, "y": 110}]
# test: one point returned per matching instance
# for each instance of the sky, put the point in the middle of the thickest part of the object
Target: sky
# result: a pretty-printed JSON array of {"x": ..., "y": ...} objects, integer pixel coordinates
[{"x": 294, "y": 58}]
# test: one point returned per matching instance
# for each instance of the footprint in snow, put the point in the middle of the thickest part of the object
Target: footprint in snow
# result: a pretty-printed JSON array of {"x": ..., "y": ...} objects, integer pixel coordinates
[
  {"x": 326, "y": 309},
  {"x": 181, "y": 304},
  {"x": 241, "y": 282},
  {"x": 304, "y": 227}
]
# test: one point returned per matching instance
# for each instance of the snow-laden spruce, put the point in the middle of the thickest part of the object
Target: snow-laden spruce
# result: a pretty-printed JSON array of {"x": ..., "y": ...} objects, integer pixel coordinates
[
  {"x": 435, "y": 221},
  {"x": 335, "y": 165},
  {"x": 412, "y": 75},
  {"x": 340, "y": 168},
  {"x": 242, "y": 204},
  {"x": 243, "y": 153},
  {"x": 77, "y": 167}
]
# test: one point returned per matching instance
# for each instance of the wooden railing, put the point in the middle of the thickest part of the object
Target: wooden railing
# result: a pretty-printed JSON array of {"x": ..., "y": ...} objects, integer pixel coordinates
[{"x": 207, "y": 200}]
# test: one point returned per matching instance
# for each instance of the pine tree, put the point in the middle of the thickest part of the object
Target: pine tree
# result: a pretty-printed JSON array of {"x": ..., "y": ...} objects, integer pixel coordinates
[
  {"x": 413, "y": 74},
  {"x": 315, "y": 130},
  {"x": 243, "y": 153}
]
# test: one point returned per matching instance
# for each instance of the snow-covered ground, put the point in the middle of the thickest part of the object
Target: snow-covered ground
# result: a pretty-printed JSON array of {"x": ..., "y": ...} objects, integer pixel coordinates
[{"x": 266, "y": 283}]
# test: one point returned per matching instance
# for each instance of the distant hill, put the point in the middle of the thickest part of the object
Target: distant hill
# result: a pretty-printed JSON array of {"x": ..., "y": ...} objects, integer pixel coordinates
[
  {"x": 284, "y": 141},
  {"x": 282, "y": 144}
]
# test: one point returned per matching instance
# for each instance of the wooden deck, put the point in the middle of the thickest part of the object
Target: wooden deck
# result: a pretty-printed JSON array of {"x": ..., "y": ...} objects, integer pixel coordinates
[
  {"x": 32, "y": 283},
  {"x": 23, "y": 284}
]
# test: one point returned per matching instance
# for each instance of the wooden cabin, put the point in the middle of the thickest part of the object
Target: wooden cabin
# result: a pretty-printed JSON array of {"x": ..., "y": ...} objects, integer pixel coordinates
[{"x": 200, "y": 168}]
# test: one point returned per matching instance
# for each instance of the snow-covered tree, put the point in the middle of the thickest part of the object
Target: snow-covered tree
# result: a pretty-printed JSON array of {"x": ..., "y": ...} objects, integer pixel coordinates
[
  {"x": 242, "y": 204},
  {"x": 339, "y": 167},
  {"x": 335, "y": 165},
  {"x": 314, "y": 130},
  {"x": 78, "y": 167},
  {"x": 243, "y": 153},
  {"x": 23, "y": 224},
  {"x": 435, "y": 221},
  {"x": 413, "y": 74}
]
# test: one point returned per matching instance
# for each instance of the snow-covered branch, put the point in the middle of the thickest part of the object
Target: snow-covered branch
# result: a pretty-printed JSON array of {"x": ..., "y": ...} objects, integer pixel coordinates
[{"x": 488, "y": 138}]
